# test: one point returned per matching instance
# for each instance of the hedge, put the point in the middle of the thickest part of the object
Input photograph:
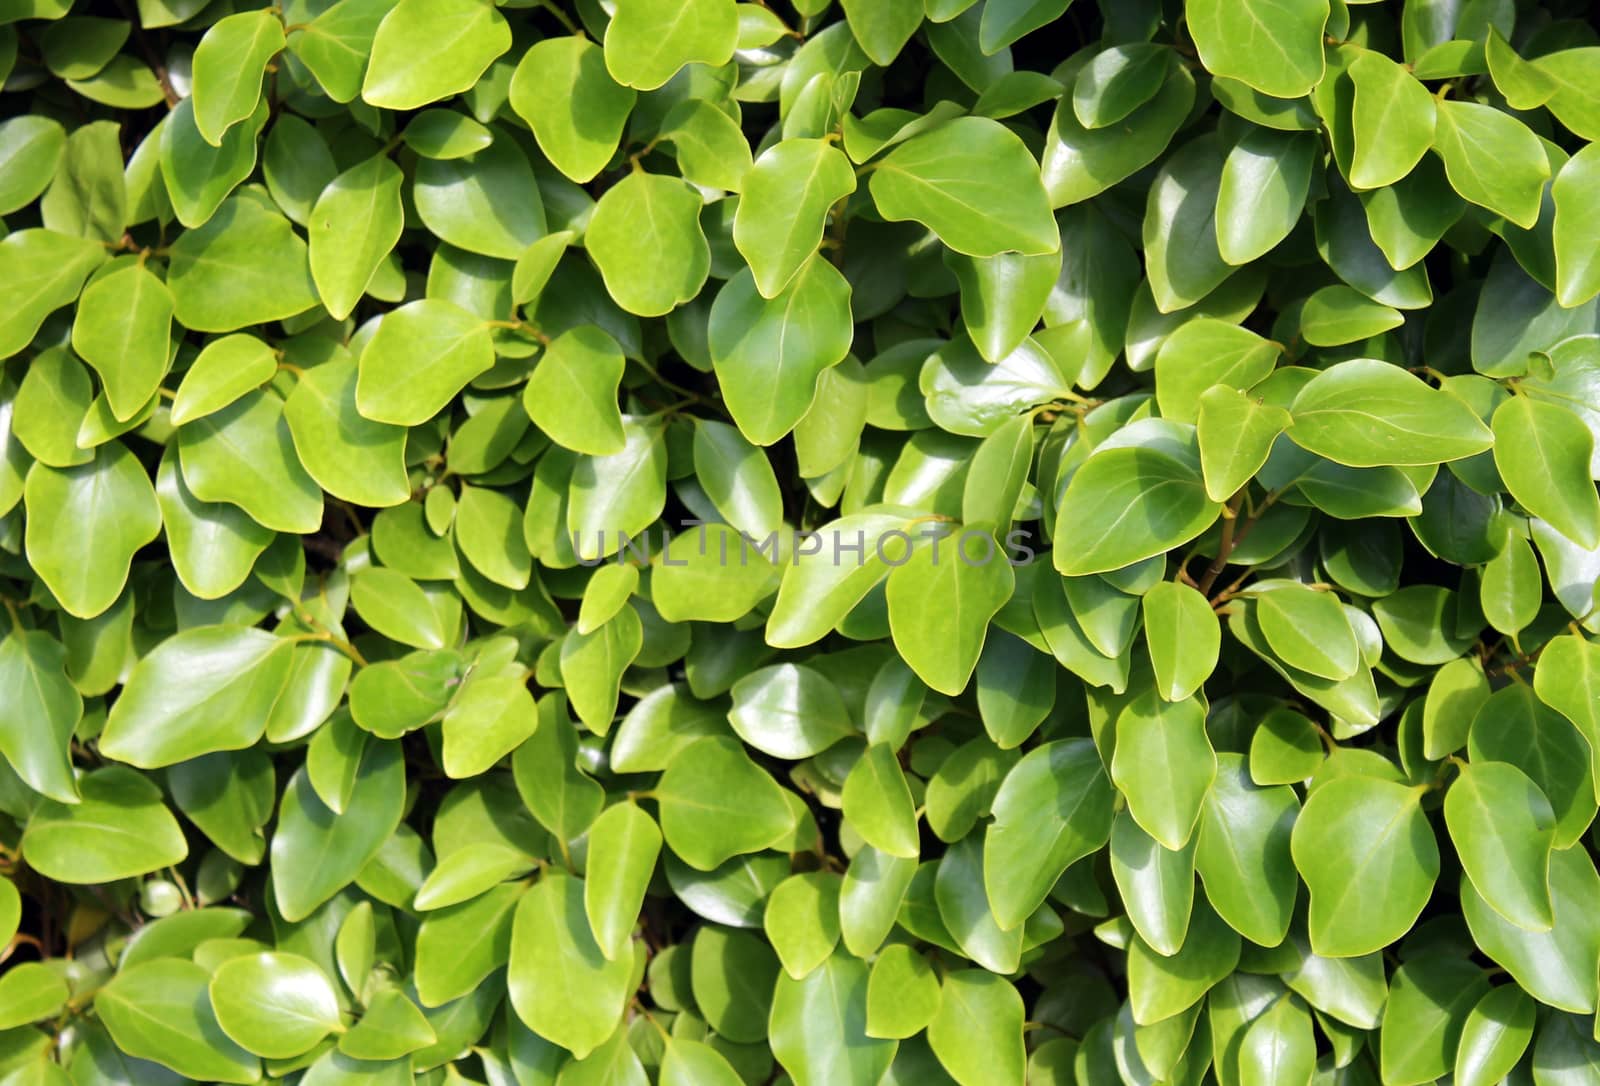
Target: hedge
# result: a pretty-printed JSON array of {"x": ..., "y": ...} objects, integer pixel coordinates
[{"x": 703, "y": 543}]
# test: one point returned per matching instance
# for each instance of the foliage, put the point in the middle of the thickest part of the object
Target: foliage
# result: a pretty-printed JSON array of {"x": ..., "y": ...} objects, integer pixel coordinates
[{"x": 1134, "y": 620}]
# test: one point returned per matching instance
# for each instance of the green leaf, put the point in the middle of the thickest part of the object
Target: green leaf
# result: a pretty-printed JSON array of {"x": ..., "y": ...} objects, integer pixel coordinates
[
  {"x": 30, "y": 147},
  {"x": 1183, "y": 259},
  {"x": 903, "y": 993},
  {"x": 30, "y": 992},
  {"x": 563, "y": 798},
  {"x": 1127, "y": 504},
  {"x": 46, "y": 270},
  {"x": 121, "y": 328},
  {"x": 940, "y": 607},
  {"x": 244, "y": 455},
  {"x": 1430, "y": 997},
  {"x": 1262, "y": 194},
  {"x": 1080, "y": 162},
  {"x": 274, "y": 1005},
  {"x": 696, "y": 1063},
  {"x": 1156, "y": 884},
  {"x": 202, "y": 690},
  {"x": 1576, "y": 215},
  {"x": 198, "y": 176},
  {"x": 802, "y": 921},
  {"x": 228, "y": 68},
  {"x": 818, "y": 1026},
  {"x": 1542, "y": 451},
  {"x": 421, "y": 356},
  {"x": 716, "y": 804},
  {"x": 770, "y": 353},
  {"x": 1274, "y": 48},
  {"x": 336, "y": 45},
  {"x": 877, "y": 803},
  {"x": 1363, "y": 839},
  {"x": 973, "y": 183},
  {"x": 316, "y": 853},
  {"x": 354, "y": 225},
  {"x": 1243, "y": 853},
  {"x": 119, "y": 828},
  {"x": 645, "y": 237},
  {"x": 561, "y": 985},
  {"x": 37, "y": 721},
  {"x": 882, "y": 28},
  {"x": 1204, "y": 353},
  {"x": 245, "y": 266},
  {"x": 1503, "y": 828},
  {"x": 618, "y": 494},
  {"x": 977, "y": 1032},
  {"x": 1164, "y": 766},
  {"x": 789, "y": 711},
  {"x": 349, "y": 456},
  {"x": 1492, "y": 159},
  {"x": 391, "y": 1028},
  {"x": 1235, "y": 432},
  {"x": 572, "y": 394},
  {"x": 224, "y": 370},
  {"x": 1183, "y": 637},
  {"x": 1496, "y": 1033},
  {"x": 1308, "y": 630},
  {"x": 425, "y": 50},
  {"x": 623, "y": 845},
  {"x": 1551, "y": 966},
  {"x": 1338, "y": 314},
  {"x": 487, "y": 202},
  {"x": 648, "y": 41},
  {"x": 1053, "y": 808},
  {"x": 562, "y": 89},
  {"x": 1366, "y": 413},
  {"x": 1392, "y": 122},
  {"x": 783, "y": 209},
  {"x": 1117, "y": 81},
  {"x": 1279, "y": 1048},
  {"x": 1160, "y": 987},
  {"x": 84, "y": 525},
  {"x": 159, "y": 1011}
]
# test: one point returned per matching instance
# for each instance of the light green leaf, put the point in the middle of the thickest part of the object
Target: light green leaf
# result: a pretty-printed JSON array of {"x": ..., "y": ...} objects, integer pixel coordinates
[
  {"x": 572, "y": 394},
  {"x": 769, "y": 353},
  {"x": 1492, "y": 159},
  {"x": 1366, "y": 413},
  {"x": 121, "y": 328},
  {"x": 421, "y": 356},
  {"x": 1128, "y": 504},
  {"x": 562, "y": 89},
  {"x": 349, "y": 455},
  {"x": 818, "y": 1026},
  {"x": 354, "y": 225},
  {"x": 228, "y": 68},
  {"x": 202, "y": 690},
  {"x": 1275, "y": 48},
  {"x": 972, "y": 182},
  {"x": 119, "y": 828},
  {"x": 1262, "y": 194},
  {"x": 561, "y": 985},
  {"x": 1183, "y": 637},
  {"x": 1363, "y": 840},
  {"x": 1542, "y": 451},
  {"x": 1577, "y": 216},
  {"x": 37, "y": 720},
  {"x": 244, "y": 455},
  {"x": 1235, "y": 431},
  {"x": 160, "y": 1011},
  {"x": 716, "y": 804},
  {"x": 44, "y": 271},
  {"x": 245, "y": 266},
  {"x": 877, "y": 803},
  {"x": 84, "y": 525},
  {"x": 274, "y": 1005},
  {"x": 647, "y": 41},
  {"x": 426, "y": 50},
  {"x": 784, "y": 207},
  {"x": 645, "y": 237},
  {"x": 977, "y": 1032},
  {"x": 623, "y": 845},
  {"x": 1503, "y": 829},
  {"x": 1053, "y": 808},
  {"x": 1392, "y": 122}
]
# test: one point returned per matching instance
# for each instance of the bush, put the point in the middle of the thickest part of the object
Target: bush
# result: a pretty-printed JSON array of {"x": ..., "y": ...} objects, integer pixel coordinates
[{"x": 717, "y": 543}]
